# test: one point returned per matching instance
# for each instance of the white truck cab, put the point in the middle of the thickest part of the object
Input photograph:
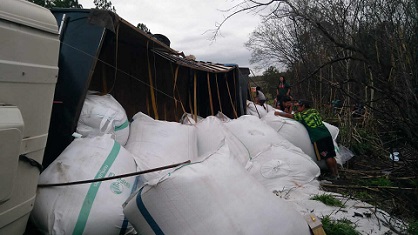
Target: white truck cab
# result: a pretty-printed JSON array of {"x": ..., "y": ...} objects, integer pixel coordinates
[{"x": 29, "y": 50}]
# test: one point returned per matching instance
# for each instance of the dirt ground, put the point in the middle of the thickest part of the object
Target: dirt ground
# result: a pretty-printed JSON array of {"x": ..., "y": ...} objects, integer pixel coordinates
[{"x": 388, "y": 185}]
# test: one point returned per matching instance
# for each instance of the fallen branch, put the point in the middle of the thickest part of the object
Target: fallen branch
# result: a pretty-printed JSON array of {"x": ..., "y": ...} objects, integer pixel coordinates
[{"x": 364, "y": 187}]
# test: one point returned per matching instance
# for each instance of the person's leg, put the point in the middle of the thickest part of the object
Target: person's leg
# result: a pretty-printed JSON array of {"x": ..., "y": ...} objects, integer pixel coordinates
[
  {"x": 332, "y": 166},
  {"x": 324, "y": 149}
]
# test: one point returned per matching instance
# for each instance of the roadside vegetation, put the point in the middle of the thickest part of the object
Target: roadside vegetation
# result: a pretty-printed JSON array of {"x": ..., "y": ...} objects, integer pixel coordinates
[{"x": 357, "y": 60}]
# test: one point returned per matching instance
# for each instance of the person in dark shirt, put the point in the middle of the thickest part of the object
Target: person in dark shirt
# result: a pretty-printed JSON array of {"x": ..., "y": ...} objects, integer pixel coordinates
[{"x": 283, "y": 89}]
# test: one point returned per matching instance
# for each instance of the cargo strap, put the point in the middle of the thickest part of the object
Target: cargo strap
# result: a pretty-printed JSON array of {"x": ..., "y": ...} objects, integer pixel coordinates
[
  {"x": 32, "y": 162},
  {"x": 178, "y": 93},
  {"x": 195, "y": 97},
  {"x": 230, "y": 97},
  {"x": 219, "y": 95},
  {"x": 210, "y": 95},
  {"x": 152, "y": 94},
  {"x": 114, "y": 177}
]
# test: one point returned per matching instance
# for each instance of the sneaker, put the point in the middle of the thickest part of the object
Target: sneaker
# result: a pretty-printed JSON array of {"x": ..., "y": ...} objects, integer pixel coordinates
[{"x": 331, "y": 177}]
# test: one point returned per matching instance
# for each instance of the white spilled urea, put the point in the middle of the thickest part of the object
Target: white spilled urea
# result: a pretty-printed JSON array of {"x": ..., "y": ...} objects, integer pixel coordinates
[
  {"x": 90, "y": 208},
  {"x": 102, "y": 114}
]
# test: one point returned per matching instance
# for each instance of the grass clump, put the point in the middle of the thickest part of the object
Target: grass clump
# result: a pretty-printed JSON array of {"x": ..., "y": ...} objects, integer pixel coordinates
[
  {"x": 338, "y": 227},
  {"x": 381, "y": 181},
  {"x": 328, "y": 200}
]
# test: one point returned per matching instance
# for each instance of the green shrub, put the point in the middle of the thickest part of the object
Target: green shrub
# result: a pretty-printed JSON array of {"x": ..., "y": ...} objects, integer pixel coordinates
[
  {"x": 363, "y": 141},
  {"x": 413, "y": 228},
  {"x": 328, "y": 199}
]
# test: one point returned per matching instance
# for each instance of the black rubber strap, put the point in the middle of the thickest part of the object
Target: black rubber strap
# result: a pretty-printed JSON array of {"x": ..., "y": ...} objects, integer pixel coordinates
[{"x": 32, "y": 162}]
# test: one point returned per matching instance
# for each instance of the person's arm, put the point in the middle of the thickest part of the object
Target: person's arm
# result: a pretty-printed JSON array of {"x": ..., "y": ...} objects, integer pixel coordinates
[
  {"x": 289, "y": 109},
  {"x": 283, "y": 114}
]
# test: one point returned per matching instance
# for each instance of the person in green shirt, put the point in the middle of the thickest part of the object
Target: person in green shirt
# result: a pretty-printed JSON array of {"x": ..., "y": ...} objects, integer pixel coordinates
[{"x": 318, "y": 133}]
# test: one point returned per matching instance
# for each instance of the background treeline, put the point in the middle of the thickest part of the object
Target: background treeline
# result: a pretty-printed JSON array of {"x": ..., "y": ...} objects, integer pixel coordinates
[
  {"x": 100, "y": 4},
  {"x": 361, "y": 52}
]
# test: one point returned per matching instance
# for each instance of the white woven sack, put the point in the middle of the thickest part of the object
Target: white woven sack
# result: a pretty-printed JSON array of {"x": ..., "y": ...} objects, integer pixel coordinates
[
  {"x": 92, "y": 208},
  {"x": 103, "y": 115},
  {"x": 211, "y": 134},
  {"x": 256, "y": 135},
  {"x": 189, "y": 119},
  {"x": 257, "y": 110},
  {"x": 222, "y": 117},
  {"x": 333, "y": 130},
  {"x": 159, "y": 143},
  {"x": 296, "y": 133},
  {"x": 280, "y": 169},
  {"x": 216, "y": 196}
]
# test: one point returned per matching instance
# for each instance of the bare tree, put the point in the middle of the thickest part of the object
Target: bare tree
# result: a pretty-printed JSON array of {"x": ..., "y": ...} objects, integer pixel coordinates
[{"x": 359, "y": 51}]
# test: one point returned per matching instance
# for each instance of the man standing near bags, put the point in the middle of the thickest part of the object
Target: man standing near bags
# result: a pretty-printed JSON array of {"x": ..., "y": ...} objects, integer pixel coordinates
[{"x": 318, "y": 133}]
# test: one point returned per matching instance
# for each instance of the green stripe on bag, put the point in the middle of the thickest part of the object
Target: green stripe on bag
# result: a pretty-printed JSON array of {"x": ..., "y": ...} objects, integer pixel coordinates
[
  {"x": 94, "y": 187},
  {"x": 123, "y": 126}
]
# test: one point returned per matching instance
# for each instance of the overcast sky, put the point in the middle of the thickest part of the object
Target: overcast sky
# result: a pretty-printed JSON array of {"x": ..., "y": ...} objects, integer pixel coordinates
[{"x": 188, "y": 25}]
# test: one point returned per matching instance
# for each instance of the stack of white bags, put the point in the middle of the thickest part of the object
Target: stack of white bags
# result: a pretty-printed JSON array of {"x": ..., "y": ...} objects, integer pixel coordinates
[
  {"x": 212, "y": 195},
  {"x": 238, "y": 169}
]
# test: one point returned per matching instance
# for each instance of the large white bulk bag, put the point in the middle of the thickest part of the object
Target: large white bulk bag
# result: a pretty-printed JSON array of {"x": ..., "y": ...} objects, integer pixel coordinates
[
  {"x": 258, "y": 110},
  {"x": 190, "y": 119},
  {"x": 216, "y": 196},
  {"x": 159, "y": 143},
  {"x": 222, "y": 117},
  {"x": 280, "y": 169},
  {"x": 92, "y": 208},
  {"x": 102, "y": 114},
  {"x": 296, "y": 133},
  {"x": 333, "y": 130},
  {"x": 211, "y": 134},
  {"x": 256, "y": 135}
]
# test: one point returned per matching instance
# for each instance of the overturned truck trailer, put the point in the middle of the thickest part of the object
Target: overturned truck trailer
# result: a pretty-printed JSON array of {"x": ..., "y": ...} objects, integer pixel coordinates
[{"x": 102, "y": 52}]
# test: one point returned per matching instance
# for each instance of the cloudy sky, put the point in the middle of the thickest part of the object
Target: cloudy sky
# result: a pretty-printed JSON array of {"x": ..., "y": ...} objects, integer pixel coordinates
[{"x": 189, "y": 25}]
